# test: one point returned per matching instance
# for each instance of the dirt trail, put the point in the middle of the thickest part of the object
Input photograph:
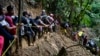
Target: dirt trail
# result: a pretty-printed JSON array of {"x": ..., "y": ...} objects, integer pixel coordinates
[{"x": 50, "y": 45}]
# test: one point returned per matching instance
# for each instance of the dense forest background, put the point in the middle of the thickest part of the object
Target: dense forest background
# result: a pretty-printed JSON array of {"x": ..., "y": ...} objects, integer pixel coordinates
[{"x": 78, "y": 13}]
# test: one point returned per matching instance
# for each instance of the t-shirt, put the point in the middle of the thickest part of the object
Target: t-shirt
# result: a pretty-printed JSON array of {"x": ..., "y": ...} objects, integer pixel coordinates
[
  {"x": 10, "y": 21},
  {"x": 3, "y": 22},
  {"x": 50, "y": 18},
  {"x": 80, "y": 33}
]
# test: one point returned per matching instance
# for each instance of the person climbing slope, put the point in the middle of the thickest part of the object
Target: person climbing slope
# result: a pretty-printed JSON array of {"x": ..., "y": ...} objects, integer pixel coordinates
[
  {"x": 4, "y": 32},
  {"x": 27, "y": 29},
  {"x": 80, "y": 36},
  {"x": 9, "y": 19}
]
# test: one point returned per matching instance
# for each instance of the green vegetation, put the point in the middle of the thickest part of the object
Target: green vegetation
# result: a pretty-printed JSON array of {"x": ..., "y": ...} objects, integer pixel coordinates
[
  {"x": 76, "y": 12},
  {"x": 72, "y": 11}
]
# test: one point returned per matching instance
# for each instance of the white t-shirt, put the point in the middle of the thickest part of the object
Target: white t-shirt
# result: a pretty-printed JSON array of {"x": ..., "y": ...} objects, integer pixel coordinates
[{"x": 3, "y": 22}]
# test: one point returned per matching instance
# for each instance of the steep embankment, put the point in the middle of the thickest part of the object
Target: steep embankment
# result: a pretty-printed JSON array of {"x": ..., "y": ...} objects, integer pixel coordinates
[
  {"x": 31, "y": 6},
  {"x": 51, "y": 45}
]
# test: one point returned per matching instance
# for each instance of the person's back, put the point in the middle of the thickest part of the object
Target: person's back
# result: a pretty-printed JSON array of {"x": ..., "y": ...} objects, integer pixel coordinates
[{"x": 44, "y": 18}]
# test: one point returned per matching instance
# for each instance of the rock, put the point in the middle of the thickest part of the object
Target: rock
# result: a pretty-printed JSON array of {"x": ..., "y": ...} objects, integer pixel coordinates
[{"x": 62, "y": 52}]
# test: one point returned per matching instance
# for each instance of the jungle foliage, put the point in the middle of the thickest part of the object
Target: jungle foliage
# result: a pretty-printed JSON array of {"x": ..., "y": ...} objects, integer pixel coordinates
[{"x": 76, "y": 12}]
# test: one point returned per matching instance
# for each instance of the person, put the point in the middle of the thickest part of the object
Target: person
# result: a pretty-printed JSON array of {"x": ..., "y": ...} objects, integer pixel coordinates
[
  {"x": 4, "y": 33},
  {"x": 44, "y": 17},
  {"x": 51, "y": 20},
  {"x": 27, "y": 29},
  {"x": 75, "y": 36},
  {"x": 38, "y": 23},
  {"x": 46, "y": 20},
  {"x": 9, "y": 19},
  {"x": 31, "y": 28},
  {"x": 80, "y": 36},
  {"x": 84, "y": 40}
]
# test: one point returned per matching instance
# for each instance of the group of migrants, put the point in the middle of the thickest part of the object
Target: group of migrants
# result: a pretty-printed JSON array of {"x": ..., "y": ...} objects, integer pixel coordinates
[
  {"x": 29, "y": 27},
  {"x": 78, "y": 36}
]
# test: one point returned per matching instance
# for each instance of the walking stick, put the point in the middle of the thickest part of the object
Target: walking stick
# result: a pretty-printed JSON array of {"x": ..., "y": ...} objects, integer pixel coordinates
[{"x": 8, "y": 47}]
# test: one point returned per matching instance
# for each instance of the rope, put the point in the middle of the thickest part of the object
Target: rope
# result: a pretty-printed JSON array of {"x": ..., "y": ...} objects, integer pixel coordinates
[
  {"x": 30, "y": 26},
  {"x": 8, "y": 47}
]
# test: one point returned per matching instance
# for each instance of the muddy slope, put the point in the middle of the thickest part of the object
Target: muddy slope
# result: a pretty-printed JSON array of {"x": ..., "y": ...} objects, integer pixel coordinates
[{"x": 54, "y": 44}]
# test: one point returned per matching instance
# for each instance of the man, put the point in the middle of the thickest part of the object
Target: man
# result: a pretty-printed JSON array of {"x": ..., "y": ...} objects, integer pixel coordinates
[
  {"x": 39, "y": 26},
  {"x": 46, "y": 20},
  {"x": 28, "y": 31},
  {"x": 80, "y": 36},
  {"x": 51, "y": 20},
  {"x": 9, "y": 19},
  {"x": 5, "y": 30}
]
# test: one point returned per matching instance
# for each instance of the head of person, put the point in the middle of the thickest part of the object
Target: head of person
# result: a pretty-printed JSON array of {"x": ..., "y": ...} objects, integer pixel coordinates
[
  {"x": 10, "y": 9},
  {"x": 43, "y": 12},
  {"x": 29, "y": 15},
  {"x": 37, "y": 17},
  {"x": 25, "y": 13},
  {"x": 51, "y": 15},
  {"x": 1, "y": 9}
]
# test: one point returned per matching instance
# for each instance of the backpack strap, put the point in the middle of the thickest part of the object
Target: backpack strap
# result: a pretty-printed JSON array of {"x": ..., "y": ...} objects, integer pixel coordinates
[{"x": 2, "y": 17}]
